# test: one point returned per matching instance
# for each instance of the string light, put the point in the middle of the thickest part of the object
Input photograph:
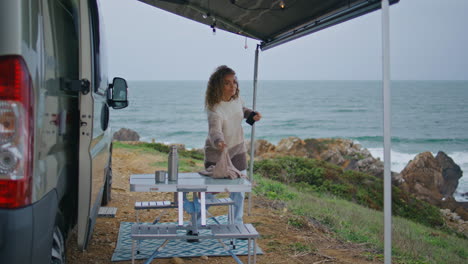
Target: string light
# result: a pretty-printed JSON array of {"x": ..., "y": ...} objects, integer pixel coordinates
[
  {"x": 213, "y": 26},
  {"x": 282, "y": 5}
]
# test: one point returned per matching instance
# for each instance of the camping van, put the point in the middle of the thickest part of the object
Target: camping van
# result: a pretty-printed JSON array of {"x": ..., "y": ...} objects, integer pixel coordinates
[{"x": 55, "y": 140}]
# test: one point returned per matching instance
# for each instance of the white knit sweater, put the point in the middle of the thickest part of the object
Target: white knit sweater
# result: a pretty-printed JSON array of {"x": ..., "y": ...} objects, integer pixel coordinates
[{"x": 224, "y": 124}]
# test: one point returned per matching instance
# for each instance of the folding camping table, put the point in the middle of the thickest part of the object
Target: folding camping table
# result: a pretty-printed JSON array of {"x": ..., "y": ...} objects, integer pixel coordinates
[{"x": 191, "y": 182}]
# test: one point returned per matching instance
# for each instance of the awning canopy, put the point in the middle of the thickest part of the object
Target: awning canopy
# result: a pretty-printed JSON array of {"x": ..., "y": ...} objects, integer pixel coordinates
[{"x": 273, "y": 22}]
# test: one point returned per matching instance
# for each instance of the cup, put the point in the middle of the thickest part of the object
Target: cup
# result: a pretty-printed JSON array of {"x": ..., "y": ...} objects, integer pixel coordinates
[{"x": 160, "y": 176}]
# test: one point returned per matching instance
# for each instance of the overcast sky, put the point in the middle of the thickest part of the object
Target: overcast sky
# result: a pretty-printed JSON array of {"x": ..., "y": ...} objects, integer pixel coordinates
[{"x": 429, "y": 41}]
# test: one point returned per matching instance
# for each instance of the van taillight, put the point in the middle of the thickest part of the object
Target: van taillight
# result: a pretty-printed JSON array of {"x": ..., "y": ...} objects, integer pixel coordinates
[{"x": 16, "y": 133}]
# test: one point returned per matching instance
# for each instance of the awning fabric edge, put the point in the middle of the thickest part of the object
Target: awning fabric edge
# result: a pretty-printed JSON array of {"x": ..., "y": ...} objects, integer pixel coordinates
[{"x": 317, "y": 25}]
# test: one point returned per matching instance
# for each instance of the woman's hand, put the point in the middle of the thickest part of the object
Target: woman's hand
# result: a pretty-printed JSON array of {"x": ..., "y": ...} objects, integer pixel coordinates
[
  {"x": 257, "y": 117},
  {"x": 221, "y": 145}
]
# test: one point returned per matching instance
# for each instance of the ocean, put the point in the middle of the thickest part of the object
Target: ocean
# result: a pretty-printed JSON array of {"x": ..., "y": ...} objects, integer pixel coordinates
[{"x": 426, "y": 115}]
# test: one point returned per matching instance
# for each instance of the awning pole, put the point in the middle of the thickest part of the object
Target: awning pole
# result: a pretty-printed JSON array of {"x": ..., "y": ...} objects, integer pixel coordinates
[
  {"x": 252, "y": 136},
  {"x": 387, "y": 132}
]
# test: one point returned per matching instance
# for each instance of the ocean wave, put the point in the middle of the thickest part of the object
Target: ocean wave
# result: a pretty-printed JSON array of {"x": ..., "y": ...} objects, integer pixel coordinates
[
  {"x": 399, "y": 159},
  {"x": 350, "y": 111},
  {"x": 412, "y": 140}
]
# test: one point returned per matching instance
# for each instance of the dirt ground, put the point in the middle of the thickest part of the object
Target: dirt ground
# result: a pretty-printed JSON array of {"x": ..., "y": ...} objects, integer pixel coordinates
[{"x": 280, "y": 241}]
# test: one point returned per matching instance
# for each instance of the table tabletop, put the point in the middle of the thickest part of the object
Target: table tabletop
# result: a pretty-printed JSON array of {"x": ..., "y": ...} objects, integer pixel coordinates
[{"x": 188, "y": 181}]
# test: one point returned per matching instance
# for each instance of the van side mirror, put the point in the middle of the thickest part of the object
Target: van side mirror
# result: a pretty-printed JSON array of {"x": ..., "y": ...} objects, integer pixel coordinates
[{"x": 117, "y": 93}]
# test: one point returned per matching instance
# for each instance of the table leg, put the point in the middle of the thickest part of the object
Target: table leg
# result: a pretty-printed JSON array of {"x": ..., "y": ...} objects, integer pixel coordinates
[
  {"x": 255, "y": 250},
  {"x": 248, "y": 249},
  {"x": 194, "y": 225},
  {"x": 193, "y": 217},
  {"x": 203, "y": 208},
  {"x": 180, "y": 207},
  {"x": 133, "y": 251}
]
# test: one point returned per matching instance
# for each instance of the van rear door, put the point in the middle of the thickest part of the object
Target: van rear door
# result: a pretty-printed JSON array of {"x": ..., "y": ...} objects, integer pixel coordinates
[{"x": 86, "y": 128}]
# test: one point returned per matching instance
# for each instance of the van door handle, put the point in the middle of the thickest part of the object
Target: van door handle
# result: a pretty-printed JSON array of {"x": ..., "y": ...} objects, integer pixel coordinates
[{"x": 82, "y": 85}]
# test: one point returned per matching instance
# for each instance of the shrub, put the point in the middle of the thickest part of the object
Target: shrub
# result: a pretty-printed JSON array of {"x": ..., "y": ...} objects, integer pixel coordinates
[{"x": 364, "y": 189}]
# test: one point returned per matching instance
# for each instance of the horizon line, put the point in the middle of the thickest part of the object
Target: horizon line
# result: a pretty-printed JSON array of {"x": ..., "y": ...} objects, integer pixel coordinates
[{"x": 435, "y": 80}]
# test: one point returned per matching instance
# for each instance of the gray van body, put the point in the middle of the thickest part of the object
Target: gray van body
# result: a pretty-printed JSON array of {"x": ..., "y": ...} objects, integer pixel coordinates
[{"x": 61, "y": 45}]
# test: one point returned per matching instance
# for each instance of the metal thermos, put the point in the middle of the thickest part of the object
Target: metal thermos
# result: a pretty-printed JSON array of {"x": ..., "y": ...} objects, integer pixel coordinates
[{"x": 173, "y": 164}]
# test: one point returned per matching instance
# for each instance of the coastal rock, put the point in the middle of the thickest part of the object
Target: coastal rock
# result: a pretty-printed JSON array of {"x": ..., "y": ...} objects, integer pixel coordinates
[
  {"x": 423, "y": 177},
  {"x": 397, "y": 179},
  {"x": 333, "y": 155},
  {"x": 372, "y": 166},
  {"x": 348, "y": 155},
  {"x": 453, "y": 220},
  {"x": 292, "y": 146},
  {"x": 451, "y": 173},
  {"x": 461, "y": 210},
  {"x": 263, "y": 147},
  {"x": 125, "y": 134}
]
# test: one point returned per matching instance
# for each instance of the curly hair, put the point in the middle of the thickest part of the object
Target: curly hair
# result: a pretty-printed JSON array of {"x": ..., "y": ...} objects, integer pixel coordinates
[{"x": 214, "y": 89}]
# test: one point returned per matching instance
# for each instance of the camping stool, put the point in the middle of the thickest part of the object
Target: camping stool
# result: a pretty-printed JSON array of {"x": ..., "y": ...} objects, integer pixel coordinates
[
  {"x": 223, "y": 202},
  {"x": 152, "y": 205},
  {"x": 167, "y": 204}
]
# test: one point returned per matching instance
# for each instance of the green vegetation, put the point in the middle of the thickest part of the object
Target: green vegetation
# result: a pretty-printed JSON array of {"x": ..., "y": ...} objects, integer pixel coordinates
[
  {"x": 273, "y": 190},
  {"x": 297, "y": 222},
  {"x": 412, "y": 242},
  {"x": 320, "y": 144},
  {"x": 311, "y": 175}
]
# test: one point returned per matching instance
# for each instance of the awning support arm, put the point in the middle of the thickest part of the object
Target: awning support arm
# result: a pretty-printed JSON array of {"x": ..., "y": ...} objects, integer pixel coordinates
[
  {"x": 252, "y": 135},
  {"x": 387, "y": 132}
]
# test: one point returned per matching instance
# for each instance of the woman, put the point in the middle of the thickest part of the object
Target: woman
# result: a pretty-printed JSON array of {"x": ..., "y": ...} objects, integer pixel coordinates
[{"x": 226, "y": 111}]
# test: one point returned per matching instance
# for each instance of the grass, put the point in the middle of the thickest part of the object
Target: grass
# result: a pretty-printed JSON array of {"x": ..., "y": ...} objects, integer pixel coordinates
[
  {"x": 299, "y": 248},
  {"x": 412, "y": 242},
  {"x": 273, "y": 190}
]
